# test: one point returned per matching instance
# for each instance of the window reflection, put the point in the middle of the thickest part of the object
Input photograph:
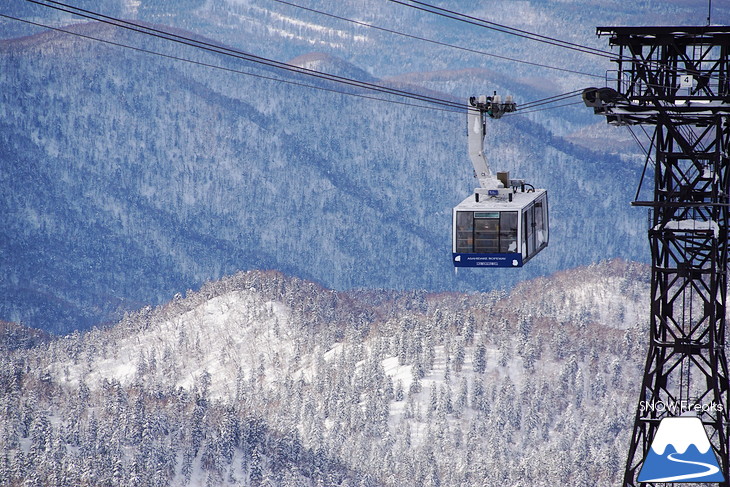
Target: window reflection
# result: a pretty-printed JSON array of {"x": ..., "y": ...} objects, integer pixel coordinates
[{"x": 486, "y": 232}]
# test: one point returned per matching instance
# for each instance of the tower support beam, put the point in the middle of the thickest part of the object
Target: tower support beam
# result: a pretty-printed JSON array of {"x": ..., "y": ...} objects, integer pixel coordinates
[{"x": 677, "y": 80}]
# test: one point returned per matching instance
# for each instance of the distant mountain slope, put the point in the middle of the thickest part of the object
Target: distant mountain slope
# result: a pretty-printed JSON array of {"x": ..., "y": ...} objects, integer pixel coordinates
[
  {"x": 262, "y": 376},
  {"x": 127, "y": 178},
  {"x": 614, "y": 293}
]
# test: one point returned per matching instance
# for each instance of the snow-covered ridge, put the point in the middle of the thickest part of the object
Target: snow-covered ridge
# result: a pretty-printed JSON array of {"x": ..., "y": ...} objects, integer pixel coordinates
[
  {"x": 222, "y": 337},
  {"x": 237, "y": 327},
  {"x": 614, "y": 293},
  {"x": 396, "y": 386}
]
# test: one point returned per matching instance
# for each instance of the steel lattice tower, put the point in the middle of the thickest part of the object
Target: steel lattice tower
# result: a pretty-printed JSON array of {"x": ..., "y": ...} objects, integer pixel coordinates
[{"x": 677, "y": 79}]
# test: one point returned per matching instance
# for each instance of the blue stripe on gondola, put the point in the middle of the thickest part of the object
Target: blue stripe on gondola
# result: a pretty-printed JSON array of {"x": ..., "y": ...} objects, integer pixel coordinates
[{"x": 487, "y": 260}]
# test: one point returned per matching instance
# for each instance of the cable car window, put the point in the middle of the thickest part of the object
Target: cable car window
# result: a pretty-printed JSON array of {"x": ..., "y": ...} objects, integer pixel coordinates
[
  {"x": 541, "y": 222},
  {"x": 465, "y": 231},
  {"x": 508, "y": 231},
  {"x": 528, "y": 247},
  {"x": 540, "y": 233},
  {"x": 486, "y": 234}
]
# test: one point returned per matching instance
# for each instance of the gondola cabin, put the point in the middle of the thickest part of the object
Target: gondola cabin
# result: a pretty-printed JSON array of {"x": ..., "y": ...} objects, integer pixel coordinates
[
  {"x": 504, "y": 223},
  {"x": 500, "y": 232}
]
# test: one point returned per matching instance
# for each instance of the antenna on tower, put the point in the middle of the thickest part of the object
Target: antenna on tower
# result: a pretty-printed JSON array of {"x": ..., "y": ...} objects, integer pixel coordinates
[{"x": 709, "y": 11}]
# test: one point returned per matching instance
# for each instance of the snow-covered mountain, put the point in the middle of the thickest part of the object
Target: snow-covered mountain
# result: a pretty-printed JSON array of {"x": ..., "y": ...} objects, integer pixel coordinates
[
  {"x": 260, "y": 377},
  {"x": 130, "y": 174}
]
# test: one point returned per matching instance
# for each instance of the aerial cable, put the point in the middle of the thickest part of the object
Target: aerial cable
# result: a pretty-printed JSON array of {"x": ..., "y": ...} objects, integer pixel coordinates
[
  {"x": 432, "y": 41},
  {"x": 551, "y": 99},
  {"x": 530, "y": 110},
  {"x": 223, "y": 68},
  {"x": 447, "y": 105},
  {"x": 530, "y": 35},
  {"x": 139, "y": 28},
  {"x": 648, "y": 157},
  {"x": 461, "y": 17},
  {"x": 451, "y": 14},
  {"x": 219, "y": 49}
]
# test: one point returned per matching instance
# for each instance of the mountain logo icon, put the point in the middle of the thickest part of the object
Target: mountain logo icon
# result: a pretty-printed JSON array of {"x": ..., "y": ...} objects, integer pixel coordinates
[{"x": 681, "y": 452}]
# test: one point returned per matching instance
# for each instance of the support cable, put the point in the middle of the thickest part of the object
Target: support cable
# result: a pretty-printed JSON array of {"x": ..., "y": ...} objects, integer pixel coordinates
[
  {"x": 461, "y": 17},
  {"x": 432, "y": 41},
  {"x": 445, "y": 104},
  {"x": 219, "y": 49},
  {"x": 223, "y": 68},
  {"x": 648, "y": 157},
  {"x": 451, "y": 14},
  {"x": 551, "y": 99}
]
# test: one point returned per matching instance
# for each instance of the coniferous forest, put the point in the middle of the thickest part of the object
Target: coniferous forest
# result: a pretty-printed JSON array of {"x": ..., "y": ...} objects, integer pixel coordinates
[{"x": 262, "y": 379}]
